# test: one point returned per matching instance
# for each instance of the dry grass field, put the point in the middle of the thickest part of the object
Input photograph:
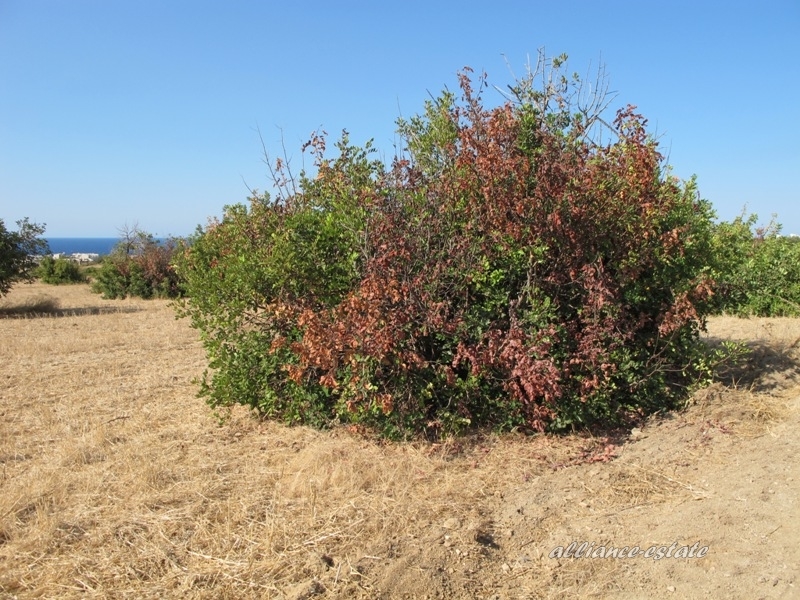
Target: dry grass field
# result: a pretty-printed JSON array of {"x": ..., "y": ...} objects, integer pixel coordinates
[{"x": 117, "y": 482}]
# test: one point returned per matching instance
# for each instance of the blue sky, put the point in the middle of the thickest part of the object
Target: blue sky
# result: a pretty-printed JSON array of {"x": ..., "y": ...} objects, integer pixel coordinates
[{"x": 115, "y": 112}]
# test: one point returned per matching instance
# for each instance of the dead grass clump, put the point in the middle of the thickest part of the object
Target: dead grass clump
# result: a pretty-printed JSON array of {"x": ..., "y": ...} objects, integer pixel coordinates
[
  {"x": 742, "y": 412},
  {"x": 763, "y": 409},
  {"x": 759, "y": 413},
  {"x": 633, "y": 484}
]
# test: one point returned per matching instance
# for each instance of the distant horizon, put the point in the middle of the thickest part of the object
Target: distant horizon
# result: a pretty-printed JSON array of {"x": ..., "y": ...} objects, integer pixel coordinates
[
  {"x": 102, "y": 237},
  {"x": 117, "y": 236},
  {"x": 101, "y": 245}
]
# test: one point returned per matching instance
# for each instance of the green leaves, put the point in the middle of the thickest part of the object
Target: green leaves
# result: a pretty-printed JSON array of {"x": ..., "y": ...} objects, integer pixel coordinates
[
  {"x": 757, "y": 271},
  {"x": 139, "y": 266},
  {"x": 508, "y": 270},
  {"x": 264, "y": 279},
  {"x": 57, "y": 271},
  {"x": 17, "y": 252}
]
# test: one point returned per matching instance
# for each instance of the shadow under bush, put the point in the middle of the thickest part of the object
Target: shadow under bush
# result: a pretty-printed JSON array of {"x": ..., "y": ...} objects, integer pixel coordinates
[{"x": 38, "y": 305}]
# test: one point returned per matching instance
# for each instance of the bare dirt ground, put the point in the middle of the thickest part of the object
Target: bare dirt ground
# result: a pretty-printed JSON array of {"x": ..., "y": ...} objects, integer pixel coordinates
[{"x": 117, "y": 482}]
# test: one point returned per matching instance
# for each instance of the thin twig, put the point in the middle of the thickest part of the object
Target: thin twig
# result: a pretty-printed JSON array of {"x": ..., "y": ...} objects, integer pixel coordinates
[{"x": 116, "y": 419}]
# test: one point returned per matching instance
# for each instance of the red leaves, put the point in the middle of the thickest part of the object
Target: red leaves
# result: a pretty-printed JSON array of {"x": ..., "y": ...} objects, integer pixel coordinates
[
  {"x": 509, "y": 263},
  {"x": 592, "y": 209}
]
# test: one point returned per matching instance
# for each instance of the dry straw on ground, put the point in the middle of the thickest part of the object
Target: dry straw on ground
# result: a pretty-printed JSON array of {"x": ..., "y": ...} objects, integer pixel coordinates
[{"x": 116, "y": 481}]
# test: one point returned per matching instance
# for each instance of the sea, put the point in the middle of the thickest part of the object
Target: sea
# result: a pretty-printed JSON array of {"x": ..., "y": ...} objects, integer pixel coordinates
[{"x": 101, "y": 246}]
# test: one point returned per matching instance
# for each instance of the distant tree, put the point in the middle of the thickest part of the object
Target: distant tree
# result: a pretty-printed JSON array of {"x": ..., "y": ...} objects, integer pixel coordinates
[
  {"x": 18, "y": 250},
  {"x": 132, "y": 241}
]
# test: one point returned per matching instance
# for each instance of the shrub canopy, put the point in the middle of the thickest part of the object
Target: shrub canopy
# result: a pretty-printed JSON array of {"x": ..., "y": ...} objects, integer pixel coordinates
[
  {"x": 509, "y": 269},
  {"x": 139, "y": 265},
  {"x": 756, "y": 269},
  {"x": 58, "y": 271}
]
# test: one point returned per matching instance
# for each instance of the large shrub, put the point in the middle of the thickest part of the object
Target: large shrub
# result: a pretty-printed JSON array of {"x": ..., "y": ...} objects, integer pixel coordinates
[
  {"x": 509, "y": 270},
  {"x": 139, "y": 266}
]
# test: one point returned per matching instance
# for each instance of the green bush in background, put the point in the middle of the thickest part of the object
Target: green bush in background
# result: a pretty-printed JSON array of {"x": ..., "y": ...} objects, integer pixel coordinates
[
  {"x": 57, "y": 271},
  {"x": 138, "y": 266},
  {"x": 757, "y": 270}
]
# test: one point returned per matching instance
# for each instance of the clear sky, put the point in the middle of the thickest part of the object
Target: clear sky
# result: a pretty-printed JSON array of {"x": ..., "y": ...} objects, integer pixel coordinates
[{"x": 123, "y": 111}]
